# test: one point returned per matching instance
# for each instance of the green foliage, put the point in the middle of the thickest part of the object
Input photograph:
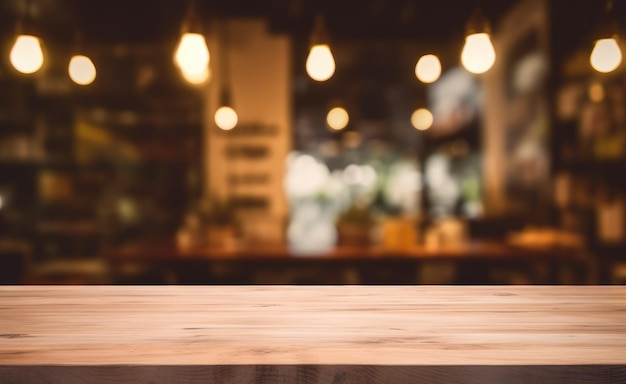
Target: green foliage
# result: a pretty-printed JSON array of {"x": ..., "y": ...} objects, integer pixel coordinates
[{"x": 357, "y": 215}]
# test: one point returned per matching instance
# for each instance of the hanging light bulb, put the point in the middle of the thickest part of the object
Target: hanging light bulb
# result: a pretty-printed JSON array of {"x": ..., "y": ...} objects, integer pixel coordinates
[
  {"x": 337, "y": 118},
  {"x": 428, "y": 69},
  {"x": 226, "y": 117},
  {"x": 422, "y": 119},
  {"x": 320, "y": 63},
  {"x": 606, "y": 55},
  {"x": 192, "y": 54},
  {"x": 26, "y": 54},
  {"x": 478, "y": 54},
  {"x": 81, "y": 69}
]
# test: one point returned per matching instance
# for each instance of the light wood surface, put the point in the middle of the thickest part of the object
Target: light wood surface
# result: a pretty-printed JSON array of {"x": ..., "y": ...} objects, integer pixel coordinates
[
  {"x": 381, "y": 325},
  {"x": 321, "y": 334}
]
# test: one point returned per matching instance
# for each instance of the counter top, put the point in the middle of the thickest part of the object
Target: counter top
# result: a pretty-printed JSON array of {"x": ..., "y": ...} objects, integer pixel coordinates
[
  {"x": 313, "y": 325},
  {"x": 304, "y": 325},
  {"x": 166, "y": 249}
]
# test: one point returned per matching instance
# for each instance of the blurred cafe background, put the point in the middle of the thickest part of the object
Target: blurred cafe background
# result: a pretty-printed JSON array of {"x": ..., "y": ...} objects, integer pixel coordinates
[{"x": 312, "y": 142}]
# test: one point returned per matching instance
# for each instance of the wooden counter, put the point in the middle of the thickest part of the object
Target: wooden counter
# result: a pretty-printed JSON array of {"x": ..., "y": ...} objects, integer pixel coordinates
[
  {"x": 155, "y": 250},
  {"x": 473, "y": 259},
  {"x": 303, "y": 334}
]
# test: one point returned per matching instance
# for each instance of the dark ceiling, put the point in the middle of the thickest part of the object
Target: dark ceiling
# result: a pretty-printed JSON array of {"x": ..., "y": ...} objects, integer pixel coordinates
[
  {"x": 426, "y": 22},
  {"x": 111, "y": 21}
]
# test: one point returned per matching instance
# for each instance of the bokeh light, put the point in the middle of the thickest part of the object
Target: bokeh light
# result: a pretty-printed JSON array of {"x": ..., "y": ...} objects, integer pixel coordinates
[
  {"x": 428, "y": 69},
  {"x": 81, "y": 69},
  {"x": 320, "y": 64},
  {"x": 337, "y": 118},
  {"x": 422, "y": 119},
  {"x": 26, "y": 54},
  {"x": 226, "y": 118}
]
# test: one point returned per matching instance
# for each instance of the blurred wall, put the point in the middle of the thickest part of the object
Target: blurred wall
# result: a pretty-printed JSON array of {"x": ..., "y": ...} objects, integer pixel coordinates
[
  {"x": 521, "y": 33},
  {"x": 247, "y": 163}
]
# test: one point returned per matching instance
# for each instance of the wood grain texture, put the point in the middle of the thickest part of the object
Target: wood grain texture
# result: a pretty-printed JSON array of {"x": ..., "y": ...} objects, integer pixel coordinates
[
  {"x": 321, "y": 325},
  {"x": 310, "y": 335}
]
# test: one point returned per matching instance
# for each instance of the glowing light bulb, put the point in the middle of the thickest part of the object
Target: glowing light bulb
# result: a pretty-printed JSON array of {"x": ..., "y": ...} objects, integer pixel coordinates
[
  {"x": 320, "y": 64},
  {"x": 478, "y": 55},
  {"x": 226, "y": 118},
  {"x": 192, "y": 55},
  {"x": 26, "y": 55},
  {"x": 197, "y": 78},
  {"x": 337, "y": 118},
  {"x": 422, "y": 119},
  {"x": 428, "y": 69},
  {"x": 82, "y": 71},
  {"x": 606, "y": 55}
]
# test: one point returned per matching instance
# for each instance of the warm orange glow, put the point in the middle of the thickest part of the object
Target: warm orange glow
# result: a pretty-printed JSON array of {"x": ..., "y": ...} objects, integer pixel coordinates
[
  {"x": 422, "y": 119},
  {"x": 596, "y": 93},
  {"x": 428, "y": 69},
  {"x": 81, "y": 69},
  {"x": 337, "y": 118},
  {"x": 478, "y": 55},
  {"x": 197, "y": 78},
  {"x": 192, "y": 55},
  {"x": 606, "y": 55},
  {"x": 320, "y": 64},
  {"x": 226, "y": 118},
  {"x": 26, "y": 54}
]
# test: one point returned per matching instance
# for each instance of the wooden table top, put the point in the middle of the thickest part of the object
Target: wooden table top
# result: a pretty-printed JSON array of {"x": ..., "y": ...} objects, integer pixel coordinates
[{"x": 381, "y": 325}]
